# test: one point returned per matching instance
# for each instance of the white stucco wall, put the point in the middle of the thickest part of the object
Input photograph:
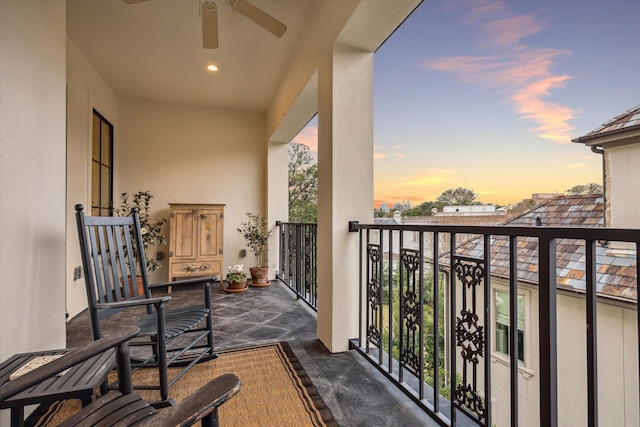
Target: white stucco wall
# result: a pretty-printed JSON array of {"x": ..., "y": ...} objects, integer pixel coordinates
[
  {"x": 32, "y": 176},
  {"x": 624, "y": 186},
  {"x": 617, "y": 366},
  {"x": 86, "y": 91},
  {"x": 191, "y": 154},
  {"x": 617, "y": 362}
]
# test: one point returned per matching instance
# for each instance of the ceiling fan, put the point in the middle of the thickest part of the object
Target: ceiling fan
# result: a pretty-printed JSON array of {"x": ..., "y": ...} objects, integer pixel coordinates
[{"x": 209, "y": 11}]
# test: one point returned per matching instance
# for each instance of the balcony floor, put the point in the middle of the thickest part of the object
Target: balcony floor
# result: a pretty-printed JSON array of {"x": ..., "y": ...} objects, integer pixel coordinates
[{"x": 356, "y": 393}]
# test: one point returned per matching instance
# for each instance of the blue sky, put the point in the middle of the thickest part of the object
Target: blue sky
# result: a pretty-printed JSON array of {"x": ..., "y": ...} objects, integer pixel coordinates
[{"x": 487, "y": 95}]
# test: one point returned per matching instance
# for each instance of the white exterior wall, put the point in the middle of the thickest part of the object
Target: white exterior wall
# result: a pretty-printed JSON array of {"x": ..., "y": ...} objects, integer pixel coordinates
[
  {"x": 617, "y": 363},
  {"x": 32, "y": 176},
  {"x": 624, "y": 186},
  {"x": 86, "y": 91}
]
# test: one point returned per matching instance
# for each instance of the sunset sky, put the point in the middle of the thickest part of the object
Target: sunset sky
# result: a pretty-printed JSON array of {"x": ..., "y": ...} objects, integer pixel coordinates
[{"x": 487, "y": 95}]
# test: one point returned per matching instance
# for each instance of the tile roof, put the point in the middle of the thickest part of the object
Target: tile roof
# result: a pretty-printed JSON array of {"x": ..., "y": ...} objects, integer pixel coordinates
[
  {"x": 629, "y": 120},
  {"x": 615, "y": 273},
  {"x": 585, "y": 210}
]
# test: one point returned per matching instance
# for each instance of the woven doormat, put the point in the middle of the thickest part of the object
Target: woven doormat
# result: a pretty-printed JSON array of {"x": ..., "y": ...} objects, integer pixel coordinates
[{"x": 275, "y": 390}]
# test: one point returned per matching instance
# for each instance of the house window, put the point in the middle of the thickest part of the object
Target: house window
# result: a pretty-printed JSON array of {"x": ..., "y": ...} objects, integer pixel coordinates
[
  {"x": 502, "y": 323},
  {"x": 101, "y": 166}
]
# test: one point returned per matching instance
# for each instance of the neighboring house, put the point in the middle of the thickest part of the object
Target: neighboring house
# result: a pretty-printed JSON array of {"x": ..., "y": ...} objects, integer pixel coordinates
[
  {"x": 616, "y": 285},
  {"x": 618, "y": 141}
]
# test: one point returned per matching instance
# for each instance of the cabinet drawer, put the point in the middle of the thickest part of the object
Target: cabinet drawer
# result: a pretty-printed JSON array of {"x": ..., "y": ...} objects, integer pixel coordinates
[{"x": 196, "y": 268}]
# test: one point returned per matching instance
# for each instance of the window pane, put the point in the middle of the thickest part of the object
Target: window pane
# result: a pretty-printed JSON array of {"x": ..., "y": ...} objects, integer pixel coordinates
[
  {"x": 105, "y": 157},
  {"x": 502, "y": 338},
  {"x": 502, "y": 308},
  {"x": 95, "y": 184},
  {"x": 105, "y": 187},
  {"x": 95, "y": 155}
]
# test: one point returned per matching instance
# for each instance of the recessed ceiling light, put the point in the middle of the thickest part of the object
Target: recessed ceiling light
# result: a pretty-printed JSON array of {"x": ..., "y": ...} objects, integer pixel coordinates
[{"x": 212, "y": 68}]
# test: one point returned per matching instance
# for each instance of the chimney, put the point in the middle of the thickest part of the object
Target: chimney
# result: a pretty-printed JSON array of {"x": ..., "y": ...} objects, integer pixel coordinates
[{"x": 397, "y": 217}]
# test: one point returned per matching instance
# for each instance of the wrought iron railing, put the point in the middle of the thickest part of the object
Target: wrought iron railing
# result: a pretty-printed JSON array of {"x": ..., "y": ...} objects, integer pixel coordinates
[
  {"x": 427, "y": 321},
  {"x": 298, "y": 260}
]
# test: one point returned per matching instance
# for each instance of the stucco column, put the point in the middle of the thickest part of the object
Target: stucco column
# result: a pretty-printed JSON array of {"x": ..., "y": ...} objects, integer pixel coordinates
[
  {"x": 32, "y": 176},
  {"x": 345, "y": 187},
  {"x": 277, "y": 198}
]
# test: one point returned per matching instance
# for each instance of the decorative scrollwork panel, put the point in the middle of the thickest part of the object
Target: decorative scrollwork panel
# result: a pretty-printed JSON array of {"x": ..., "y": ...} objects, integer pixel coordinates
[
  {"x": 374, "y": 294},
  {"x": 410, "y": 310},
  {"x": 470, "y": 336}
]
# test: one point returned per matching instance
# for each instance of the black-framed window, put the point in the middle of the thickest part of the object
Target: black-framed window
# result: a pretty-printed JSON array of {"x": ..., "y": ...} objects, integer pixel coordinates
[
  {"x": 101, "y": 166},
  {"x": 502, "y": 323}
]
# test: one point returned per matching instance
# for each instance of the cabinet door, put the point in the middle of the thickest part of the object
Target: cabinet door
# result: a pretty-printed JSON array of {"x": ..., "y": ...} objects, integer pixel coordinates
[
  {"x": 210, "y": 232},
  {"x": 183, "y": 240}
]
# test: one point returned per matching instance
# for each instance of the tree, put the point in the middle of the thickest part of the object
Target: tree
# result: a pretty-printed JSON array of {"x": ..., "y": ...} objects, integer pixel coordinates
[
  {"x": 303, "y": 184},
  {"x": 591, "y": 188},
  {"x": 457, "y": 197},
  {"x": 423, "y": 209}
]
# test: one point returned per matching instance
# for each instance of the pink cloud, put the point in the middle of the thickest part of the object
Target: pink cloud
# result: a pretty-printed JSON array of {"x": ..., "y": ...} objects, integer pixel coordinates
[
  {"x": 309, "y": 137},
  {"x": 483, "y": 9},
  {"x": 505, "y": 33},
  {"x": 524, "y": 74}
]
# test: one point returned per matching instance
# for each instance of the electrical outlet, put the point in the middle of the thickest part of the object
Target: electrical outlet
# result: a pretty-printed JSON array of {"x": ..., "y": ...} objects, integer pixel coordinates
[{"x": 77, "y": 273}]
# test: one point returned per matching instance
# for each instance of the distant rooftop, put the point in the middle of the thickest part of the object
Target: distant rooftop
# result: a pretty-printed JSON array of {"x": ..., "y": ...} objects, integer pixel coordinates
[
  {"x": 468, "y": 210},
  {"x": 565, "y": 211},
  {"x": 627, "y": 121},
  {"x": 615, "y": 272}
]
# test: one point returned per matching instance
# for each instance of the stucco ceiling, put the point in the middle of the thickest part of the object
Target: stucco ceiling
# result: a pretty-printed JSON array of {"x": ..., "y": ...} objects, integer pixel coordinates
[{"x": 153, "y": 50}]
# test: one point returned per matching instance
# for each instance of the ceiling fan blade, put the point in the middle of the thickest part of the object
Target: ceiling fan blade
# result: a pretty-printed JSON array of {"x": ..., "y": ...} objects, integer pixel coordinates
[
  {"x": 209, "y": 25},
  {"x": 258, "y": 16},
  {"x": 133, "y": 1}
]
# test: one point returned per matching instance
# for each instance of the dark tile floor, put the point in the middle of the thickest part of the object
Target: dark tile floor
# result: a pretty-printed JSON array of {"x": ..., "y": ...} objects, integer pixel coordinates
[{"x": 356, "y": 392}]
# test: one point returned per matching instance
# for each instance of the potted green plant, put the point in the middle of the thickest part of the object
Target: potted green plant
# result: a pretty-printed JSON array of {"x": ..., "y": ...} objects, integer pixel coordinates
[
  {"x": 256, "y": 233},
  {"x": 236, "y": 279},
  {"x": 151, "y": 229}
]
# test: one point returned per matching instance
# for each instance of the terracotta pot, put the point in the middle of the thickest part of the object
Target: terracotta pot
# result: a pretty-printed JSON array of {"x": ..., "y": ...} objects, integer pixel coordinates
[
  {"x": 237, "y": 285},
  {"x": 259, "y": 275},
  {"x": 138, "y": 284}
]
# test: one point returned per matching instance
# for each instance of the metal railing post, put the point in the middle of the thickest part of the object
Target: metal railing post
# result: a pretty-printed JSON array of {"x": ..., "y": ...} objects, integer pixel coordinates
[{"x": 548, "y": 333}]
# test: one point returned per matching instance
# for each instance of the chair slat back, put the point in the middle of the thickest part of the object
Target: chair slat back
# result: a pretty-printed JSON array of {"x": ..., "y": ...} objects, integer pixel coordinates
[{"x": 110, "y": 254}]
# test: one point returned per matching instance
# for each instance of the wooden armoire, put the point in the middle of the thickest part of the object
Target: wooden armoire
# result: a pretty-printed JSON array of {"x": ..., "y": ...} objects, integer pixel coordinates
[{"x": 196, "y": 234}]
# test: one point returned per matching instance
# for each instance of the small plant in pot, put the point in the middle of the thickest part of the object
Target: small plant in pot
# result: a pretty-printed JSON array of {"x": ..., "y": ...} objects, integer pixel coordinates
[
  {"x": 256, "y": 233},
  {"x": 236, "y": 277}
]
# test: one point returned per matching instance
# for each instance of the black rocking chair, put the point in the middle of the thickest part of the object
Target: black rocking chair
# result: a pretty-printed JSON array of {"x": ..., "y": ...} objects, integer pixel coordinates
[
  {"x": 123, "y": 407},
  {"x": 177, "y": 337}
]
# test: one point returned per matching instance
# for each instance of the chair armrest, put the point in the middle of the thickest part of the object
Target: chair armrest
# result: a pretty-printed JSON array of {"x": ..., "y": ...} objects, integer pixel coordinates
[
  {"x": 133, "y": 302},
  {"x": 67, "y": 361},
  {"x": 193, "y": 281},
  {"x": 199, "y": 404}
]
